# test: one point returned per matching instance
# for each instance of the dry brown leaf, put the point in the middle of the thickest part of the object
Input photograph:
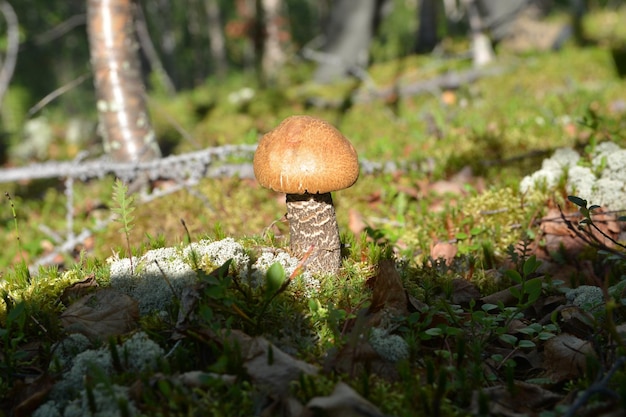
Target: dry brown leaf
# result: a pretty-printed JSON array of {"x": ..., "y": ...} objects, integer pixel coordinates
[
  {"x": 565, "y": 357},
  {"x": 188, "y": 302},
  {"x": 577, "y": 321},
  {"x": 343, "y": 402},
  {"x": 355, "y": 222},
  {"x": 29, "y": 397},
  {"x": 79, "y": 289},
  {"x": 444, "y": 250},
  {"x": 442, "y": 187},
  {"x": 527, "y": 399},
  {"x": 558, "y": 237},
  {"x": 358, "y": 356},
  {"x": 102, "y": 314},
  {"x": 464, "y": 291},
  {"x": 388, "y": 296},
  {"x": 267, "y": 365}
]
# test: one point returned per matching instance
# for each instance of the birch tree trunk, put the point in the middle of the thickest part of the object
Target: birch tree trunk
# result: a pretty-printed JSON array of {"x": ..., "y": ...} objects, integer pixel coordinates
[
  {"x": 217, "y": 42},
  {"x": 273, "y": 55},
  {"x": 124, "y": 120}
]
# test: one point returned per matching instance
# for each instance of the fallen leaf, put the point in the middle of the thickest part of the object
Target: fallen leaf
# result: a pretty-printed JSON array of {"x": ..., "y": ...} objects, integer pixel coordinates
[
  {"x": 561, "y": 236},
  {"x": 388, "y": 295},
  {"x": 79, "y": 289},
  {"x": 29, "y": 397},
  {"x": 355, "y": 222},
  {"x": 565, "y": 357},
  {"x": 102, "y": 314},
  {"x": 524, "y": 399},
  {"x": 343, "y": 402},
  {"x": 266, "y": 364},
  {"x": 444, "y": 250},
  {"x": 358, "y": 356},
  {"x": 464, "y": 291}
]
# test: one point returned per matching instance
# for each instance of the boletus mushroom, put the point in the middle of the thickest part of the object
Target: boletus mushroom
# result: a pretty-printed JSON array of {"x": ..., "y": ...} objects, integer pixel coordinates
[{"x": 308, "y": 158}]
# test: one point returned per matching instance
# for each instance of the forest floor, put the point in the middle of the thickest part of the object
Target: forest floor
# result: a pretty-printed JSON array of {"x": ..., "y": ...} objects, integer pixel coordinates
[{"x": 465, "y": 288}]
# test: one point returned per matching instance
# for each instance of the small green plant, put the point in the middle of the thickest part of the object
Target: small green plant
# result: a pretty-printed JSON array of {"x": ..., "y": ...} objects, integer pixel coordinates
[
  {"x": 587, "y": 213},
  {"x": 124, "y": 207},
  {"x": 18, "y": 238},
  {"x": 527, "y": 290}
]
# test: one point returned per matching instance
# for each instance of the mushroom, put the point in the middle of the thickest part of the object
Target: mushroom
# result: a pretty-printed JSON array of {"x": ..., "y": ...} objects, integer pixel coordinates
[{"x": 307, "y": 158}]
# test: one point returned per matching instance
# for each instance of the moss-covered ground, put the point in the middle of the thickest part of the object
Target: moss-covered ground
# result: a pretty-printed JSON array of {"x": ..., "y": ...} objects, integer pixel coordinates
[{"x": 462, "y": 154}]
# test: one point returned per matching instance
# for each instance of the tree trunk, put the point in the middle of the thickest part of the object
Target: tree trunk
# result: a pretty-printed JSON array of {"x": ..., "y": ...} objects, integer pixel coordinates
[
  {"x": 217, "y": 43},
  {"x": 273, "y": 54},
  {"x": 348, "y": 34},
  {"x": 427, "y": 26},
  {"x": 124, "y": 120}
]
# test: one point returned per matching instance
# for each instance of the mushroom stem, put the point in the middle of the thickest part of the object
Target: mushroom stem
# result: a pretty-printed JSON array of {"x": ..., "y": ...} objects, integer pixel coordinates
[{"x": 312, "y": 223}]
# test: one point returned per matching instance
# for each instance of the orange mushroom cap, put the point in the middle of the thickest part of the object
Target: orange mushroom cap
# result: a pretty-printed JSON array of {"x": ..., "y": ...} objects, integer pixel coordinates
[{"x": 305, "y": 154}]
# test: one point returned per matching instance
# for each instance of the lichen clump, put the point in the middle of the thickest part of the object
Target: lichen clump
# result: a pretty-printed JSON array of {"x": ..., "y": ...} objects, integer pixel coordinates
[
  {"x": 587, "y": 297},
  {"x": 158, "y": 276},
  {"x": 69, "y": 397},
  {"x": 390, "y": 347},
  {"x": 600, "y": 178},
  {"x": 152, "y": 279}
]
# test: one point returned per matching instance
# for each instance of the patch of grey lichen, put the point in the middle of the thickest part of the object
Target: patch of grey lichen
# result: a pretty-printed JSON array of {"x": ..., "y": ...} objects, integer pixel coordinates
[
  {"x": 152, "y": 279},
  {"x": 390, "y": 347},
  {"x": 68, "y": 397},
  {"x": 599, "y": 178},
  {"x": 158, "y": 276}
]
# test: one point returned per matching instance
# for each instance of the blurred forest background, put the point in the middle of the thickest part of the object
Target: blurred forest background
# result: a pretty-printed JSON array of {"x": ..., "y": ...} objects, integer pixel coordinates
[{"x": 191, "y": 44}]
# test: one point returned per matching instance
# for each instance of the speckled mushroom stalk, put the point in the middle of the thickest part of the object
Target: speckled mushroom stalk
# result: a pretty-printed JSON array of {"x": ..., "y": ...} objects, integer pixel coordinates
[
  {"x": 307, "y": 158},
  {"x": 312, "y": 225}
]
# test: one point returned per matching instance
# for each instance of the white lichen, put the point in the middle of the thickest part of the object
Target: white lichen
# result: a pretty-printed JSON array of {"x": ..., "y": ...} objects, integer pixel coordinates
[
  {"x": 140, "y": 353},
  {"x": 160, "y": 274},
  {"x": 390, "y": 347},
  {"x": 108, "y": 401},
  {"x": 153, "y": 279},
  {"x": 580, "y": 180},
  {"x": 289, "y": 264},
  {"x": 137, "y": 354},
  {"x": 602, "y": 182},
  {"x": 49, "y": 409},
  {"x": 587, "y": 297},
  {"x": 216, "y": 253},
  {"x": 64, "y": 351}
]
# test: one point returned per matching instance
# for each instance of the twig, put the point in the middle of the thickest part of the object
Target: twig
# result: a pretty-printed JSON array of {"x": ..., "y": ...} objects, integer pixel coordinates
[
  {"x": 67, "y": 246},
  {"x": 56, "y": 93},
  {"x": 193, "y": 165},
  {"x": 599, "y": 387},
  {"x": 13, "y": 43},
  {"x": 147, "y": 46},
  {"x": 448, "y": 81},
  {"x": 61, "y": 29},
  {"x": 589, "y": 238}
]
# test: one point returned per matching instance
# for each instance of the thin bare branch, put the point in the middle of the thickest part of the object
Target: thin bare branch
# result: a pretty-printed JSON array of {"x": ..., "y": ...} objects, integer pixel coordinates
[
  {"x": 57, "y": 93},
  {"x": 61, "y": 29},
  {"x": 13, "y": 44},
  {"x": 150, "y": 52}
]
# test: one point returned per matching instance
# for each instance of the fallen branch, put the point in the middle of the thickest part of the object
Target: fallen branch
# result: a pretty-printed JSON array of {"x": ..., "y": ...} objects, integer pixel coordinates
[
  {"x": 188, "y": 167},
  {"x": 193, "y": 165},
  {"x": 448, "y": 81}
]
